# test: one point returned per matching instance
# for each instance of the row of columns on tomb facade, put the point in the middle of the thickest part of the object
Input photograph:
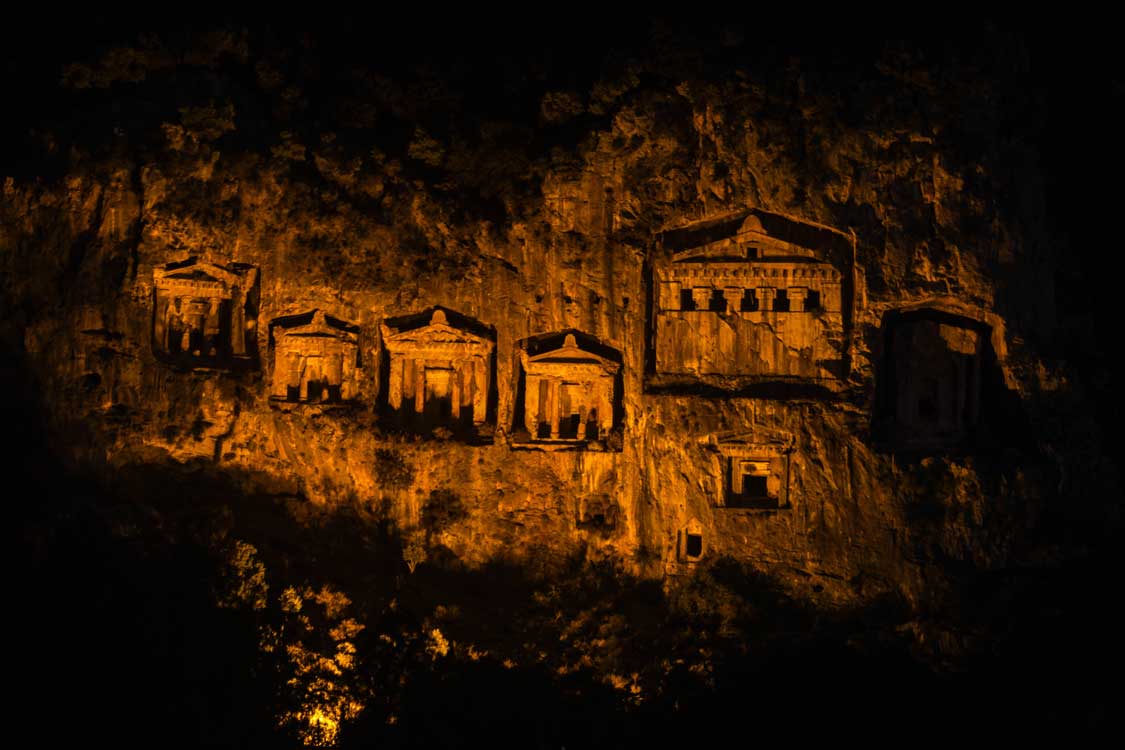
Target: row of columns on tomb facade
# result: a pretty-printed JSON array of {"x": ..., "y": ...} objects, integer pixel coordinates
[
  {"x": 301, "y": 368},
  {"x": 467, "y": 381},
  {"x": 765, "y": 297},
  {"x": 545, "y": 402}
]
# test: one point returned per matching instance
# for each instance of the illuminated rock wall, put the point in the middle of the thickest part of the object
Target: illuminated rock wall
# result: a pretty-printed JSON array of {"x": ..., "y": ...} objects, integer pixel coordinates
[{"x": 873, "y": 215}]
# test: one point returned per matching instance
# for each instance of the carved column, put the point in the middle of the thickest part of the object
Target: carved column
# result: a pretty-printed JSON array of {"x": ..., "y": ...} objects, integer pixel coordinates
[
  {"x": 280, "y": 364},
  {"x": 766, "y": 295},
  {"x": 702, "y": 297},
  {"x": 733, "y": 297},
  {"x": 553, "y": 408},
  {"x": 419, "y": 386},
  {"x": 455, "y": 391},
  {"x": 797, "y": 295},
  {"x": 480, "y": 390},
  {"x": 285, "y": 373},
  {"x": 238, "y": 322},
  {"x": 159, "y": 323},
  {"x": 466, "y": 375},
  {"x": 531, "y": 404},
  {"x": 605, "y": 403},
  {"x": 394, "y": 387}
]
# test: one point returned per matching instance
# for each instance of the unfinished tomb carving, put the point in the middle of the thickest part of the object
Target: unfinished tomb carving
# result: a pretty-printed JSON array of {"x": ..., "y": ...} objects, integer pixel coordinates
[
  {"x": 754, "y": 475},
  {"x": 315, "y": 359},
  {"x": 569, "y": 392},
  {"x": 929, "y": 387},
  {"x": 752, "y": 295},
  {"x": 206, "y": 314},
  {"x": 439, "y": 373}
]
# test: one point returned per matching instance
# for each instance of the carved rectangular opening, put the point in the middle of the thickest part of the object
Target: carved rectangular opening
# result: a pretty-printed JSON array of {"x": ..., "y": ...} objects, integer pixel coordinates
[
  {"x": 781, "y": 301},
  {"x": 717, "y": 302},
  {"x": 687, "y": 300},
  {"x": 693, "y": 546},
  {"x": 749, "y": 301},
  {"x": 570, "y": 408},
  {"x": 812, "y": 300},
  {"x": 438, "y": 402},
  {"x": 754, "y": 488},
  {"x": 592, "y": 431},
  {"x": 750, "y": 485}
]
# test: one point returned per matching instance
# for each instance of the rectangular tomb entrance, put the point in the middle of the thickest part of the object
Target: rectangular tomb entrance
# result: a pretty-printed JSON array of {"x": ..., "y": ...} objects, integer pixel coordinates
[{"x": 755, "y": 475}]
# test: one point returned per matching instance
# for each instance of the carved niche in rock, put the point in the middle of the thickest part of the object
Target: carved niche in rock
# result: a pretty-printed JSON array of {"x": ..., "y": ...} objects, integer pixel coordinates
[
  {"x": 752, "y": 295},
  {"x": 205, "y": 315},
  {"x": 755, "y": 475},
  {"x": 439, "y": 374},
  {"x": 929, "y": 388},
  {"x": 690, "y": 543},
  {"x": 315, "y": 359},
  {"x": 569, "y": 393}
]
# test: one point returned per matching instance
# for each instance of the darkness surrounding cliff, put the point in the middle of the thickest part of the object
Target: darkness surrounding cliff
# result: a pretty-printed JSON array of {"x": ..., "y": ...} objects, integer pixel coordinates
[{"x": 199, "y": 567}]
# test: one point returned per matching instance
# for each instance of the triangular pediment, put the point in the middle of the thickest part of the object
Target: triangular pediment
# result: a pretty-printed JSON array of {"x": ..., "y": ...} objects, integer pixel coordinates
[
  {"x": 438, "y": 331},
  {"x": 435, "y": 334},
  {"x": 571, "y": 353},
  {"x": 748, "y": 246},
  {"x": 319, "y": 325},
  {"x": 199, "y": 270},
  {"x": 755, "y": 235}
]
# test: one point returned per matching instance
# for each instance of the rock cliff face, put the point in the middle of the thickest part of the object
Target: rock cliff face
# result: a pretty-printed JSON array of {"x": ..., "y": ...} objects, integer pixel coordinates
[
  {"x": 928, "y": 213},
  {"x": 818, "y": 297}
]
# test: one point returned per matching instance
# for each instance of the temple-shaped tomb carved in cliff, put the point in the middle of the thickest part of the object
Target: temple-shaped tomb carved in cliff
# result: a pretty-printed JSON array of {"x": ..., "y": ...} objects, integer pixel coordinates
[
  {"x": 929, "y": 387},
  {"x": 569, "y": 392},
  {"x": 753, "y": 475},
  {"x": 751, "y": 296},
  {"x": 315, "y": 359},
  {"x": 205, "y": 315},
  {"x": 439, "y": 374}
]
